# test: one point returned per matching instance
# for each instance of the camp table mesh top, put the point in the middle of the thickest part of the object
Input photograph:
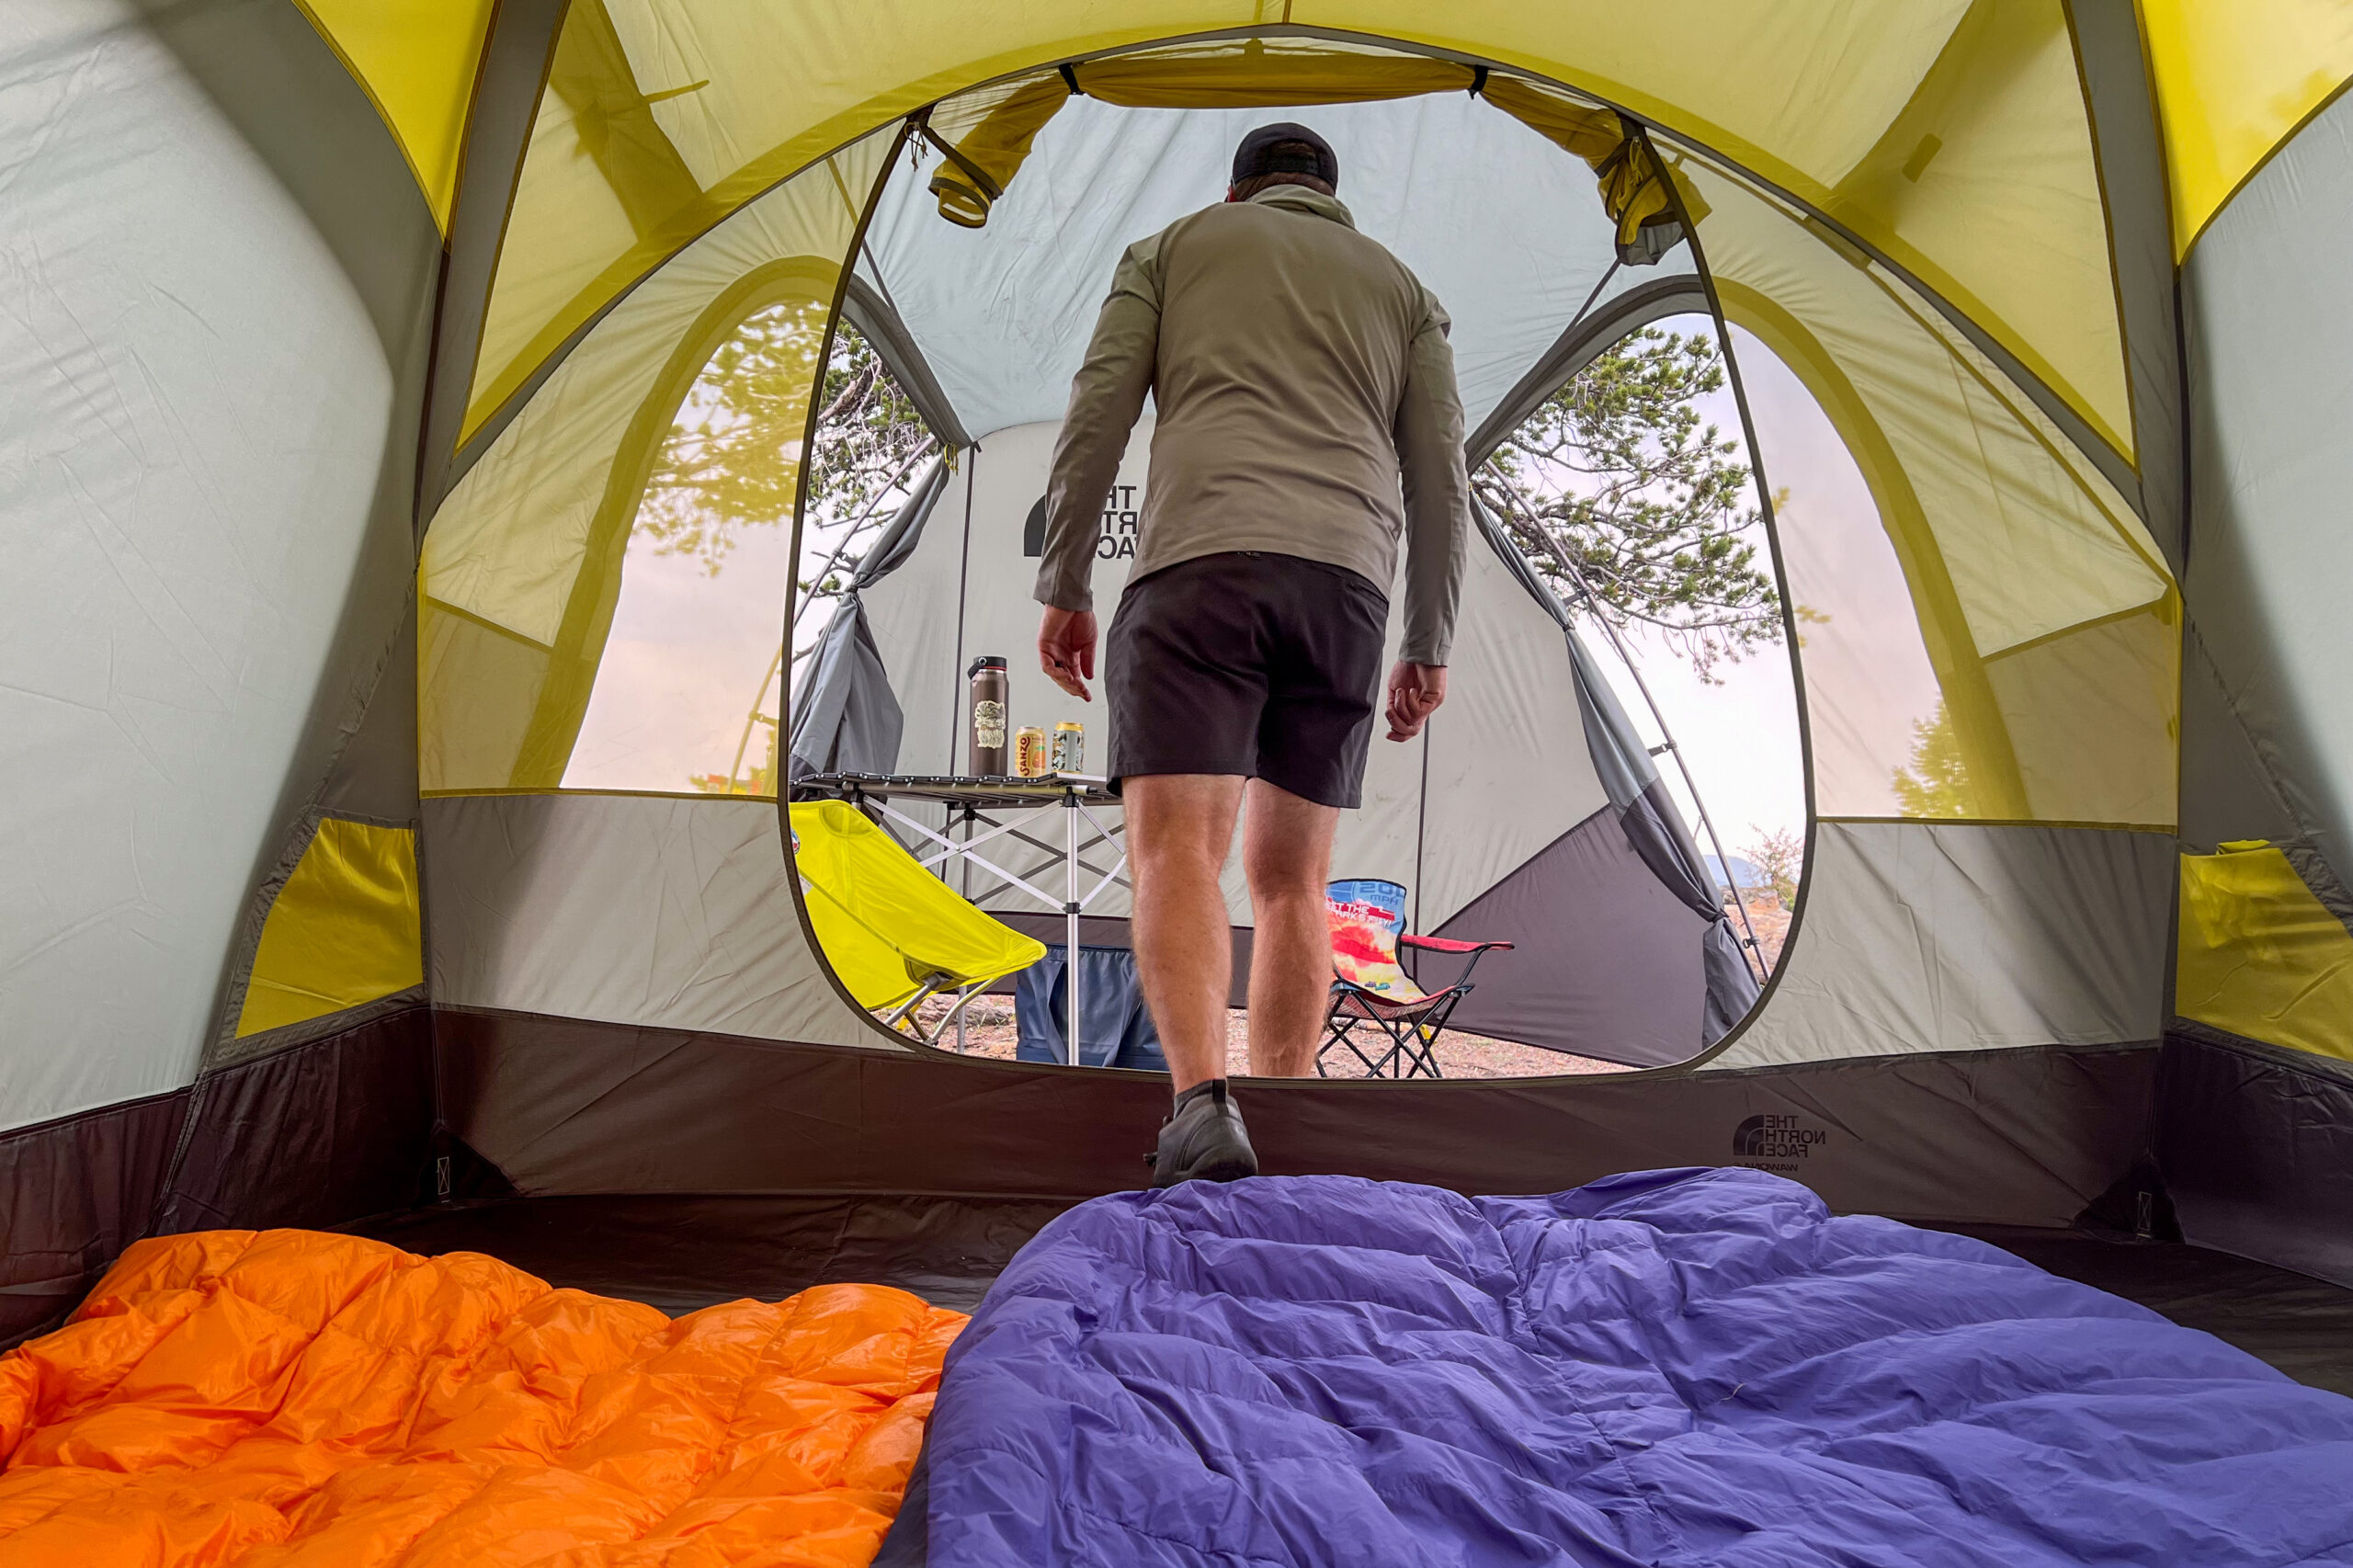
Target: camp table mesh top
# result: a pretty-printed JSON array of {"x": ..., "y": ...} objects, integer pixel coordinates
[{"x": 978, "y": 792}]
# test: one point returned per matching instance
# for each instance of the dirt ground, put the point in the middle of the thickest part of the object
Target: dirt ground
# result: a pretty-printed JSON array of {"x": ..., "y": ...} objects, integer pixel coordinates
[
  {"x": 989, "y": 1031},
  {"x": 1772, "y": 923}
]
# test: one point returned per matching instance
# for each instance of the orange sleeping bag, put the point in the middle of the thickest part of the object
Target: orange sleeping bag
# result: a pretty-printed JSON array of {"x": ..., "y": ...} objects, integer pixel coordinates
[{"x": 288, "y": 1399}]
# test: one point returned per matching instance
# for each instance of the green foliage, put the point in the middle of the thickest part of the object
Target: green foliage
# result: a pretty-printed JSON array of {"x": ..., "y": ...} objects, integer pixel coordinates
[
  {"x": 1779, "y": 858},
  {"x": 1936, "y": 784},
  {"x": 732, "y": 460},
  {"x": 868, "y": 434},
  {"x": 1643, "y": 498}
]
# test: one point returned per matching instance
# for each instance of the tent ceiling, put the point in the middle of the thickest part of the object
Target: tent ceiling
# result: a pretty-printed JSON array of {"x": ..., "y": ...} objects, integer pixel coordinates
[
  {"x": 1504, "y": 227},
  {"x": 1950, "y": 136}
]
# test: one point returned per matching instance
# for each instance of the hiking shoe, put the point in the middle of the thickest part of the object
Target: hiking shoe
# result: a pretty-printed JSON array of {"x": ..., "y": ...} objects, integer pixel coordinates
[{"x": 1203, "y": 1139}]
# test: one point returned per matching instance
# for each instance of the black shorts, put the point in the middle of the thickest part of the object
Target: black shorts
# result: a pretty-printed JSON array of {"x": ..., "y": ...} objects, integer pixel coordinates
[{"x": 1248, "y": 663}]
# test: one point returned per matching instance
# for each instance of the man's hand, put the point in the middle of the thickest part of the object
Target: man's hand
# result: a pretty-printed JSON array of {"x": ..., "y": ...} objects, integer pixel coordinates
[
  {"x": 1066, "y": 649},
  {"x": 1414, "y": 692}
]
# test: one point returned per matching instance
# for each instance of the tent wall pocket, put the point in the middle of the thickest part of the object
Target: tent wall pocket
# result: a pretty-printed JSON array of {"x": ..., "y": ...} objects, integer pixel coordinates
[
  {"x": 2258, "y": 955},
  {"x": 343, "y": 928}
]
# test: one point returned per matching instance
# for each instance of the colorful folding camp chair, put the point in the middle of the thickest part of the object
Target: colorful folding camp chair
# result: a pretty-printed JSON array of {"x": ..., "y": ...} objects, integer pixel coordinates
[
  {"x": 892, "y": 931},
  {"x": 1370, "y": 992}
]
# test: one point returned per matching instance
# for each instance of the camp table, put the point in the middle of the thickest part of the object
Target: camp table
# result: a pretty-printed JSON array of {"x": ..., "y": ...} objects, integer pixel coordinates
[{"x": 978, "y": 803}]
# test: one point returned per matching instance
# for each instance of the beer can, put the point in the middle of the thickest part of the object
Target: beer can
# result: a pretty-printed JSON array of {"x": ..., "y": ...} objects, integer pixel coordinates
[
  {"x": 1030, "y": 752},
  {"x": 1070, "y": 747}
]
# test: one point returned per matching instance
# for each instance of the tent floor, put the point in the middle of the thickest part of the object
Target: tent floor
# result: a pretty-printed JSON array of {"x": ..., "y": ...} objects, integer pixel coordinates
[
  {"x": 678, "y": 1253},
  {"x": 2300, "y": 1324}
]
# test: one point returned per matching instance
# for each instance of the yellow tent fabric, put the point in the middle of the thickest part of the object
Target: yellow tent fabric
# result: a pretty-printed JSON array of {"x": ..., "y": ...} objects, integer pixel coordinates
[
  {"x": 522, "y": 568},
  {"x": 736, "y": 95},
  {"x": 2260, "y": 955},
  {"x": 886, "y": 925},
  {"x": 2049, "y": 619},
  {"x": 416, "y": 59},
  {"x": 1953, "y": 136},
  {"x": 2233, "y": 82},
  {"x": 2044, "y": 610},
  {"x": 343, "y": 929}
]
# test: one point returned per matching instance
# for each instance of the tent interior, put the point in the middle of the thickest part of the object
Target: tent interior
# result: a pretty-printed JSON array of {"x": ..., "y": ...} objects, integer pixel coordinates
[{"x": 378, "y": 862}]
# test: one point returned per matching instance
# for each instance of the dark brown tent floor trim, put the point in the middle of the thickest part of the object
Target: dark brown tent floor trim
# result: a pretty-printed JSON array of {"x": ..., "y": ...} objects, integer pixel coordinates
[{"x": 681, "y": 1253}]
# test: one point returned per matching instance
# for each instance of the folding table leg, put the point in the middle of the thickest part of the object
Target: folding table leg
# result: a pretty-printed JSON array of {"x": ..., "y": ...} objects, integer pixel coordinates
[{"x": 1070, "y": 923}]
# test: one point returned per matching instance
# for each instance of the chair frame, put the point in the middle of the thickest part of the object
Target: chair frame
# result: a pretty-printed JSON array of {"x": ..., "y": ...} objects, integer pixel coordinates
[
  {"x": 903, "y": 1017},
  {"x": 1410, "y": 1029}
]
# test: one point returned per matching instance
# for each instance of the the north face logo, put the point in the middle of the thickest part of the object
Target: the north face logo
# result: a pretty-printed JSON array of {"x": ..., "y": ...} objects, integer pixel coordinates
[
  {"x": 1118, "y": 540},
  {"x": 1781, "y": 1137}
]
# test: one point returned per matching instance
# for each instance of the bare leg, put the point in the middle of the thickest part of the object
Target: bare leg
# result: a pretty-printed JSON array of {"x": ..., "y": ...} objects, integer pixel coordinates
[
  {"x": 1287, "y": 851},
  {"x": 1180, "y": 826}
]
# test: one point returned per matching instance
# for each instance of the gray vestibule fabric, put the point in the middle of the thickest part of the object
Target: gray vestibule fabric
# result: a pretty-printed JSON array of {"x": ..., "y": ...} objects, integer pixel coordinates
[
  {"x": 1656, "y": 829},
  {"x": 849, "y": 721},
  {"x": 868, "y": 308},
  {"x": 1626, "y": 301},
  {"x": 1646, "y": 812},
  {"x": 898, "y": 540},
  {"x": 1606, "y": 963},
  {"x": 2269, "y": 329}
]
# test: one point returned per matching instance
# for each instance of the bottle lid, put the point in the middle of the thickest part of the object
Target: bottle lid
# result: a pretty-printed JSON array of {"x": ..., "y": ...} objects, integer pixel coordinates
[{"x": 986, "y": 662}]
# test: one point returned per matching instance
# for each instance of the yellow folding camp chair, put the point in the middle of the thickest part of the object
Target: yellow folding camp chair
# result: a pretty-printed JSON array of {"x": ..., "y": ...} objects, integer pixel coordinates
[{"x": 892, "y": 931}]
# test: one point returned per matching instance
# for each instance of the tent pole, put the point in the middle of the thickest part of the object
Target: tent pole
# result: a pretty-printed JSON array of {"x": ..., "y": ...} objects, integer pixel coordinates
[
  {"x": 964, "y": 886},
  {"x": 754, "y": 717},
  {"x": 930, "y": 445},
  {"x": 1070, "y": 919},
  {"x": 1553, "y": 548}
]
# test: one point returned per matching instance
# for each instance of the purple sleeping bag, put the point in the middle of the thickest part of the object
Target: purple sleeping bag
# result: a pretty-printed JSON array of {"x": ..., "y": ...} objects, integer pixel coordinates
[{"x": 1670, "y": 1366}]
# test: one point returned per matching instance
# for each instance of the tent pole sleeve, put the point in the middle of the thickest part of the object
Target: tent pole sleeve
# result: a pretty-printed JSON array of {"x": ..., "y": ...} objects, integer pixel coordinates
[
  {"x": 1755, "y": 951},
  {"x": 515, "y": 58}
]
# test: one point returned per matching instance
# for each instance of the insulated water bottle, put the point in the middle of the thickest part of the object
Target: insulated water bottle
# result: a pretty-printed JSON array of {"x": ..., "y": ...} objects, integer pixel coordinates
[{"x": 989, "y": 692}]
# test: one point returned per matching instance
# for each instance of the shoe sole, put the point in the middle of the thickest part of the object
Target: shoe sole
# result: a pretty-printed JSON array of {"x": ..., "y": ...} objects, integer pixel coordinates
[{"x": 1215, "y": 1170}]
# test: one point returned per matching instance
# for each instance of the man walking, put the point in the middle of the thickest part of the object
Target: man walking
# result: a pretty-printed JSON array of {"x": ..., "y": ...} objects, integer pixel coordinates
[{"x": 1307, "y": 418}]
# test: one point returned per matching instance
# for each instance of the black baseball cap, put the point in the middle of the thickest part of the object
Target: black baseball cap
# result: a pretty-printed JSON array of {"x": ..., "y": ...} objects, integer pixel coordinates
[{"x": 1257, "y": 156}]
